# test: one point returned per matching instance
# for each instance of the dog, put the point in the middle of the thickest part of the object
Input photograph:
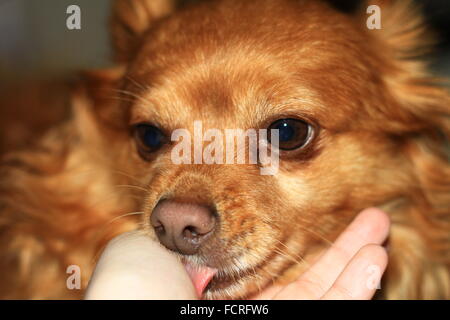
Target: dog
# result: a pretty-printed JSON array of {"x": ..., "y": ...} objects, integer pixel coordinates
[{"x": 362, "y": 123}]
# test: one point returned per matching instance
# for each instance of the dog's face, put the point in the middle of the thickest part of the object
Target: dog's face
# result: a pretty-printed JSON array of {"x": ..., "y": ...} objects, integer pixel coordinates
[{"x": 242, "y": 65}]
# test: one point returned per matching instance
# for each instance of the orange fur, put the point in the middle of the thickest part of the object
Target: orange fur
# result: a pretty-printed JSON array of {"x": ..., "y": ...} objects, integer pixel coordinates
[{"x": 238, "y": 64}]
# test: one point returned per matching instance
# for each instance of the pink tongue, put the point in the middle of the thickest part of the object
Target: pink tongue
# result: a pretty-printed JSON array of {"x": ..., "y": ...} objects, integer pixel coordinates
[{"x": 200, "y": 276}]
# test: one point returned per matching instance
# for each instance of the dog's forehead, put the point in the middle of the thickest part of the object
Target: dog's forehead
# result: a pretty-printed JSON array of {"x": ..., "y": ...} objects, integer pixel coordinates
[
  {"x": 218, "y": 72},
  {"x": 245, "y": 91},
  {"x": 235, "y": 92}
]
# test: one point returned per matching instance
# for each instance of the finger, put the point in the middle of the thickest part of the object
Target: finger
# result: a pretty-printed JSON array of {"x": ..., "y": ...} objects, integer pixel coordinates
[
  {"x": 361, "y": 278},
  {"x": 135, "y": 267},
  {"x": 268, "y": 293},
  {"x": 370, "y": 226}
]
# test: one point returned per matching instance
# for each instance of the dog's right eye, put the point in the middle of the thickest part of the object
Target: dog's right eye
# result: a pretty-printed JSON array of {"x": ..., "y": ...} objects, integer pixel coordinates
[{"x": 149, "y": 138}]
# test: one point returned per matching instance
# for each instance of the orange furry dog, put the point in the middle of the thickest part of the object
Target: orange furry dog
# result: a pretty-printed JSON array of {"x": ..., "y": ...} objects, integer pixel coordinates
[{"x": 366, "y": 126}]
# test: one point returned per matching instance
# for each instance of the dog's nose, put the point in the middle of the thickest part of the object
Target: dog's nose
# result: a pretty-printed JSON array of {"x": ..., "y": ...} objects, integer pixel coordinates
[{"x": 182, "y": 227}]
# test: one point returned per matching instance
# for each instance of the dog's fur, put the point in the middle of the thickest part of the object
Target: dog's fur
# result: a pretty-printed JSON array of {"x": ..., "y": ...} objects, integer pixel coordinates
[{"x": 382, "y": 123}]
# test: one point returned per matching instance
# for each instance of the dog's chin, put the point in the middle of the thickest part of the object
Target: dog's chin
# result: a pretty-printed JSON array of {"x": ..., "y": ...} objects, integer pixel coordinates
[{"x": 228, "y": 285}]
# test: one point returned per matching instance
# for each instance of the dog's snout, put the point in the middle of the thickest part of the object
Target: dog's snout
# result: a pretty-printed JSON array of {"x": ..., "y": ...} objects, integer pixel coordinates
[{"x": 182, "y": 227}]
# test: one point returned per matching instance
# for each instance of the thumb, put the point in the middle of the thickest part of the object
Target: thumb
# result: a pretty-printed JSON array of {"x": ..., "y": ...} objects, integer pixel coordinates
[{"x": 135, "y": 267}]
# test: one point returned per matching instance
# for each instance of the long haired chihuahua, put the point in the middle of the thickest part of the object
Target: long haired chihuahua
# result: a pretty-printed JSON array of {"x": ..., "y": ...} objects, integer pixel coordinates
[{"x": 358, "y": 121}]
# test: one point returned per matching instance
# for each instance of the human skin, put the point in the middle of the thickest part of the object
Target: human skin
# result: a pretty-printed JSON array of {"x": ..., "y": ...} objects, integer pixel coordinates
[{"x": 135, "y": 267}]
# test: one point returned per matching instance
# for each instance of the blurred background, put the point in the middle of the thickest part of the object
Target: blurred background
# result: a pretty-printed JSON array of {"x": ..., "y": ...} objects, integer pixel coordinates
[{"x": 34, "y": 39}]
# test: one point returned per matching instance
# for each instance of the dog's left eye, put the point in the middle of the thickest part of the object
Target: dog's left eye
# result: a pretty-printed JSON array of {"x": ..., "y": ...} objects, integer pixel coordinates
[
  {"x": 293, "y": 133},
  {"x": 149, "y": 138}
]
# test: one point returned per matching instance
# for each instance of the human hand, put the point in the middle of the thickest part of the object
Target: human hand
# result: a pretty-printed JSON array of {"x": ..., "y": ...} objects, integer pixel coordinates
[
  {"x": 349, "y": 270},
  {"x": 133, "y": 266}
]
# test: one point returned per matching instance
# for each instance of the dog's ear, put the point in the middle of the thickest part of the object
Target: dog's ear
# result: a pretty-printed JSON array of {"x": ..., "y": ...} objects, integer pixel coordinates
[
  {"x": 418, "y": 100},
  {"x": 415, "y": 109},
  {"x": 96, "y": 100},
  {"x": 131, "y": 19},
  {"x": 402, "y": 28}
]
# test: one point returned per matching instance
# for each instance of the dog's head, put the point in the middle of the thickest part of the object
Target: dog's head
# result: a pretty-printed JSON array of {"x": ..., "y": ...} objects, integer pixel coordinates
[{"x": 347, "y": 102}]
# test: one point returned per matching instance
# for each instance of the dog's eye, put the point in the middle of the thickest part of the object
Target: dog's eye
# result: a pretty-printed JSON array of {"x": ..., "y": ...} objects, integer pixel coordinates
[
  {"x": 293, "y": 133},
  {"x": 149, "y": 137}
]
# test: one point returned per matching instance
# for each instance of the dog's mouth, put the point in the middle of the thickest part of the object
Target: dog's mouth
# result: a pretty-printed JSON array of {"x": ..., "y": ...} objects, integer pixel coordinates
[
  {"x": 207, "y": 280},
  {"x": 201, "y": 276}
]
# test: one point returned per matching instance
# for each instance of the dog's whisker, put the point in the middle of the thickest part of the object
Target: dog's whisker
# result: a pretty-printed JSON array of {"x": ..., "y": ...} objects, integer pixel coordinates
[
  {"x": 125, "y": 174},
  {"x": 255, "y": 274},
  {"x": 100, "y": 232},
  {"x": 131, "y": 187},
  {"x": 139, "y": 85},
  {"x": 113, "y": 195},
  {"x": 113, "y": 171},
  {"x": 133, "y": 95},
  {"x": 120, "y": 98},
  {"x": 125, "y": 215},
  {"x": 330, "y": 243},
  {"x": 234, "y": 271},
  {"x": 271, "y": 275},
  {"x": 128, "y": 99},
  {"x": 126, "y": 92},
  {"x": 288, "y": 256},
  {"x": 300, "y": 261},
  {"x": 296, "y": 261}
]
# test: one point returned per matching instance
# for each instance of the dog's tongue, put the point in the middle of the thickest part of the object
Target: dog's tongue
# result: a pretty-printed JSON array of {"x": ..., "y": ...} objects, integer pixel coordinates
[{"x": 200, "y": 276}]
